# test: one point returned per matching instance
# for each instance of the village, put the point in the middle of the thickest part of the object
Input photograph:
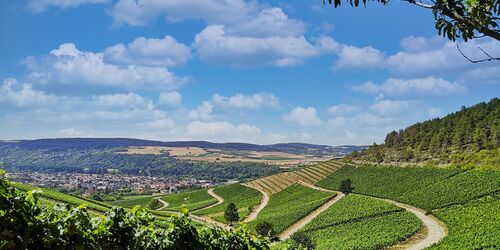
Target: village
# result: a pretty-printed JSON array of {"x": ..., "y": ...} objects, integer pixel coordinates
[{"x": 88, "y": 184}]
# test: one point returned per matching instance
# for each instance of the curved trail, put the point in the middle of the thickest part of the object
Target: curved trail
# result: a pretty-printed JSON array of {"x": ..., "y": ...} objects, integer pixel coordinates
[
  {"x": 164, "y": 204},
  {"x": 309, "y": 217},
  {"x": 433, "y": 232},
  {"x": 216, "y": 196},
  {"x": 263, "y": 203}
]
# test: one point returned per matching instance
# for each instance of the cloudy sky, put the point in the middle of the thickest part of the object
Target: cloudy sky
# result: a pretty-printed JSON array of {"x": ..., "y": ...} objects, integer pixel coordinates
[{"x": 229, "y": 70}]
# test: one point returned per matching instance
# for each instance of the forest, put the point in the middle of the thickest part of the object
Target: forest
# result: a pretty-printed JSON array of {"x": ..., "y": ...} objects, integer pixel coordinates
[{"x": 467, "y": 137}]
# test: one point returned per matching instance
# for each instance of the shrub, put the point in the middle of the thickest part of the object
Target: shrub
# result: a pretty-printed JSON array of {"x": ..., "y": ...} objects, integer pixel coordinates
[{"x": 231, "y": 213}]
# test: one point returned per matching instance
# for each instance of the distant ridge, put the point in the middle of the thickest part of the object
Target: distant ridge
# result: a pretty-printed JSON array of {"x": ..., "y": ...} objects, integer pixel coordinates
[{"x": 60, "y": 144}]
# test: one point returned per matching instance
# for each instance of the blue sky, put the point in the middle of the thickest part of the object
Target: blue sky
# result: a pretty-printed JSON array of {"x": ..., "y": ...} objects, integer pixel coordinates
[{"x": 229, "y": 70}]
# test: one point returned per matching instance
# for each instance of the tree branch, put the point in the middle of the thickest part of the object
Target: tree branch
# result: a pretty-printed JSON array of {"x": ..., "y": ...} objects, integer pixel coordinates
[
  {"x": 420, "y": 4},
  {"x": 478, "y": 61}
]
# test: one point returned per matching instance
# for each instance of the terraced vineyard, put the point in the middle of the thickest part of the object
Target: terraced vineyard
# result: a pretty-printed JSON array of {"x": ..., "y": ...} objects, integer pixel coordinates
[
  {"x": 192, "y": 200},
  {"x": 52, "y": 197},
  {"x": 360, "y": 222},
  {"x": 244, "y": 198},
  {"x": 278, "y": 182},
  {"x": 131, "y": 201},
  {"x": 289, "y": 205},
  {"x": 466, "y": 201}
]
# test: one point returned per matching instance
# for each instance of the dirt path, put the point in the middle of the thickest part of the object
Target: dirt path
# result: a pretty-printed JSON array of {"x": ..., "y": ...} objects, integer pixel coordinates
[
  {"x": 164, "y": 204},
  {"x": 433, "y": 231},
  {"x": 308, "y": 218},
  {"x": 209, "y": 222},
  {"x": 263, "y": 203},
  {"x": 216, "y": 196}
]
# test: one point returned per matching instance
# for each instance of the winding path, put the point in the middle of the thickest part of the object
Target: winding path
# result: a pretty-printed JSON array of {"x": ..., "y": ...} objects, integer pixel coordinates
[
  {"x": 164, "y": 204},
  {"x": 433, "y": 232},
  {"x": 309, "y": 217},
  {"x": 263, "y": 203},
  {"x": 216, "y": 196}
]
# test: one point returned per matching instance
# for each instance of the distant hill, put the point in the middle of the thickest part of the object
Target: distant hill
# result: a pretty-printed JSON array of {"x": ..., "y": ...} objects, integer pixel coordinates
[
  {"x": 62, "y": 144},
  {"x": 469, "y": 136}
]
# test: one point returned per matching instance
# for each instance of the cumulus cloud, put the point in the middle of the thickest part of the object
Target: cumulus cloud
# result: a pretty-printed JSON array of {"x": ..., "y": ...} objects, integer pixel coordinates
[
  {"x": 390, "y": 107},
  {"x": 342, "y": 109},
  {"x": 411, "y": 87},
  {"x": 203, "y": 111},
  {"x": 214, "y": 45},
  {"x": 172, "y": 98},
  {"x": 149, "y": 52},
  {"x": 211, "y": 129},
  {"x": 17, "y": 94},
  {"x": 351, "y": 57},
  {"x": 68, "y": 65},
  {"x": 304, "y": 117},
  {"x": 130, "y": 100},
  {"x": 42, "y": 5},
  {"x": 255, "y": 101}
]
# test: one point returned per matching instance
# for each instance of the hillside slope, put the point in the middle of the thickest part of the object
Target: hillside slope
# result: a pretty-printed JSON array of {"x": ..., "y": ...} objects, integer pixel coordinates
[{"x": 469, "y": 136}]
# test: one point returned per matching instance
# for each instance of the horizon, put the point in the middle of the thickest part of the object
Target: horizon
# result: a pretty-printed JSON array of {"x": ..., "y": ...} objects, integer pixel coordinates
[{"x": 242, "y": 71}]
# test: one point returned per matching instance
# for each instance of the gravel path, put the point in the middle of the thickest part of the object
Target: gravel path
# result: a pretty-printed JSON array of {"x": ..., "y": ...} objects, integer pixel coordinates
[
  {"x": 164, "y": 204},
  {"x": 308, "y": 218},
  {"x": 263, "y": 203}
]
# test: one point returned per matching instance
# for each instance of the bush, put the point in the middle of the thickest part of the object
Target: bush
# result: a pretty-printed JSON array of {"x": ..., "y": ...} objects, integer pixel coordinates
[
  {"x": 266, "y": 229},
  {"x": 25, "y": 225},
  {"x": 302, "y": 240},
  {"x": 231, "y": 213},
  {"x": 346, "y": 186}
]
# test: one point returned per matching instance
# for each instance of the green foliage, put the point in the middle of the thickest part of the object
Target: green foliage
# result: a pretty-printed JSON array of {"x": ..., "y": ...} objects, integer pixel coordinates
[
  {"x": 154, "y": 204},
  {"x": 289, "y": 205},
  {"x": 231, "y": 213},
  {"x": 192, "y": 200},
  {"x": 475, "y": 225},
  {"x": 373, "y": 233},
  {"x": 26, "y": 225},
  {"x": 350, "y": 209},
  {"x": 132, "y": 201},
  {"x": 303, "y": 240},
  {"x": 390, "y": 182},
  {"x": 470, "y": 136},
  {"x": 266, "y": 229},
  {"x": 244, "y": 198},
  {"x": 346, "y": 186},
  {"x": 456, "y": 18}
]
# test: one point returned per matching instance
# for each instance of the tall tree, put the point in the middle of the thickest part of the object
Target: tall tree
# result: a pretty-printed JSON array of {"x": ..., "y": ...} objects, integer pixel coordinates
[{"x": 231, "y": 213}]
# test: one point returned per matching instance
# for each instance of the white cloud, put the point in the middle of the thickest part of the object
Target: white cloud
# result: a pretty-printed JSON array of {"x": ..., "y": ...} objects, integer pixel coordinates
[
  {"x": 130, "y": 100},
  {"x": 411, "y": 87},
  {"x": 255, "y": 101},
  {"x": 268, "y": 22},
  {"x": 199, "y": 128},
  {"x": 42, "y": 5},
  {"x": 172, "y": 98},
  {"x": 143, "y": 12},
  {"x": 149, "y": 52},
  {"x": 203, "y": 111},
  {"x": 213, "y": 45},
  {"x": 17, "y": 94},
  {"x": 358, "y": 58},
  {"x": 341, "y": 109},
  {"x": 390, "y": 107},
  {"x": 304, "y": 117},
  {"x": 68, "y": 65}
]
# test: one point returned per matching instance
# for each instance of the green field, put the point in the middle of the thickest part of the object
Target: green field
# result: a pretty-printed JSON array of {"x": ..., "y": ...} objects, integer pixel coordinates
[
  {"x": 132, "y": 200},
  {"x": 289, "y": 205},
  {"x": 360, "y": 222},
  {"x": 192, "y": 200},
  {"x": 466, "y": 201},
  {"x": 244, "y": 198},
  {"x": 55, "y": 197}
]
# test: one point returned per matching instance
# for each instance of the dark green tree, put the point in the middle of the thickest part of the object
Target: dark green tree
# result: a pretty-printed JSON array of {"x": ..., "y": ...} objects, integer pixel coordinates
[
  {"x": 346, "y": 186},
  {"x": 456, "y": 18},
  {"x": 231, "y": 213},
  {"x": 303, "y": 240},
  {"x": 266, "y": 229}
]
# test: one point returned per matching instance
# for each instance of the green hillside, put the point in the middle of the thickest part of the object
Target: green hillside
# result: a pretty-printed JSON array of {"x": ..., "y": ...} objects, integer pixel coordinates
[{"x": 470, "y": 136}]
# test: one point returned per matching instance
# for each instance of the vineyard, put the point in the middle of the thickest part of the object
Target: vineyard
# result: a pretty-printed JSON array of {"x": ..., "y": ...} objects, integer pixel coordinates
[
  {"x": 459, "y": 198},
  {"x": 192, "y": 200},
  {"x": 289, "y": 205},
  {"x": 243, "y": 197},
  {"x": 362, "y": 222},
  {"x": 278, "y": 182},
  {"x": 132, "y": 200}
]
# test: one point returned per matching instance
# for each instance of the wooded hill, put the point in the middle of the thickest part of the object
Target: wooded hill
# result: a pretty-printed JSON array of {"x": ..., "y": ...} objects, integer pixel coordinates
[{"x": 470, "y": 136}]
